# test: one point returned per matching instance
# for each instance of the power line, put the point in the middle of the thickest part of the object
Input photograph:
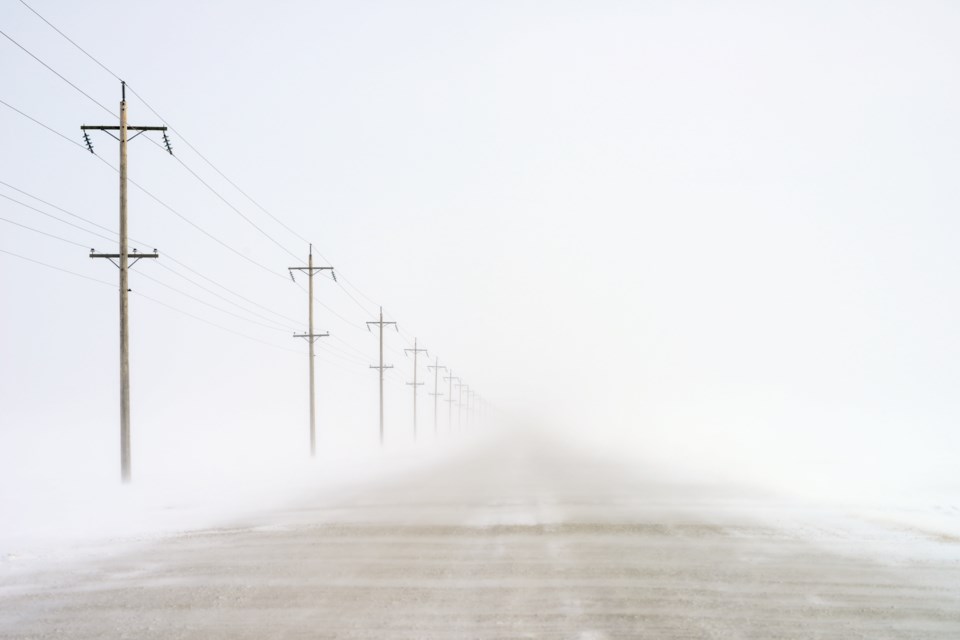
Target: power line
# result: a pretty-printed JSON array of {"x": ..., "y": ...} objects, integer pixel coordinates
[
  {"x": 224, "y": 298},
  {"x": 187, "y": 167},
  {"x": 69, "y": 40},
  {"x": 328, "y": 308},
  {"x": 155, "y": 198},
  {"x": 204, "y": 231},
  {"x": 350, "y": 346},
  {"x": 154, "y": 300},
  {"x": 219, "y": 172},
  {"x": 182, "y": 163},
  {"x": 44, "y": 233},
  {"x": 211, "y": 305},
  {"x": 229, "y": 204},
  {"x": 175, "y": 131},
  {"x": 61, "y": 220},
  {"x": 69, "y": 213},
  {"x": 208, "y": 279},
  {"x": 355, "y": 288},
  {"x": 56, "y": 73},
  {"x": 212, "y": 237},
  {"x": 50, "y": 129},
  {"x": 50, "y": 266},
  {"x": 343, "y": 354},
  {"x": 167, "y": 256},
  {"x": 213, "y": 324}
]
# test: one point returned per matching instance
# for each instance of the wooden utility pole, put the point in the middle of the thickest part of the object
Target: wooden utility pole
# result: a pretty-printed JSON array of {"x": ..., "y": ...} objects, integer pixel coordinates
[
  {"x": 122, "y": 259},
  {"x": 311, "y": 337},
  {"x": 381, "y": 366},
  {"x": 415, "y": 384},
  {"x": 466, "y": 409},
  {"x": 460, "y": 389},
  {"x": 436, "y": 396},
  {"x": 450, "y": 378}
]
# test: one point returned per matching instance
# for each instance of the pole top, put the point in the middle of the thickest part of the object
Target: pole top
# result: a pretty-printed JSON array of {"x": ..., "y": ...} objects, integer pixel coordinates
[{"x": 123, "y": 91}]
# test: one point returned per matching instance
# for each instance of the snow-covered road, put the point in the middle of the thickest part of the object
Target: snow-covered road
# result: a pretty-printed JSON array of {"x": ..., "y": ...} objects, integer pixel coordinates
[{"x": 513, "y": 540}]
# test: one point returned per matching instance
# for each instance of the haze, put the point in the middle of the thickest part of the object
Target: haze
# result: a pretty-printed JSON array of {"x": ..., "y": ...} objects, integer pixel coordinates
[{"x": 709, "y": 238}]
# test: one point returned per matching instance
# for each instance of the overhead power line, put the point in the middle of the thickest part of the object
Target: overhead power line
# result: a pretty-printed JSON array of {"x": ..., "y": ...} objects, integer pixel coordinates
[
  {"x": 61, "y": 220},
  {"x": 345, "y": 284},
  {"x": 182, "y": 163},
  {"x": 164, "y": 120},
  {"x": 113, "y": 285},
  {"x": 50, "y": 266},
  {"x": 235, "y": 209},
  {"x": 184, "y": 218},
  {"x": 213, "y": 306},
  {"x": 48, "y": 128},
  {"x": 53, "y": 206},
  {"x": 166, "y": 255},
  {"x": 228, "y": 290},
  {"x": 69, "y": 40},
  {"x": 200, "y": 155},
  {"x": 44, "y": 233},
  {"x": 213, "y": 324},
  {"x": 149, "y": 277},
  {"x": 223, "y": 297},
  {"x": 155, "y": 198},
  {"x": 57, "y": 73}
]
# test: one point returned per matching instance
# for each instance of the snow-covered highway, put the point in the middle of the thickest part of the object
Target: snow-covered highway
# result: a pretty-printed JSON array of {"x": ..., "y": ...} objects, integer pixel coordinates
[{"x": 518, "y": 539}]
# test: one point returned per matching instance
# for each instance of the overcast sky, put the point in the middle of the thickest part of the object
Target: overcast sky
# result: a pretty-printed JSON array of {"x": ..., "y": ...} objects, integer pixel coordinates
[{"x": 716, "y": 234}]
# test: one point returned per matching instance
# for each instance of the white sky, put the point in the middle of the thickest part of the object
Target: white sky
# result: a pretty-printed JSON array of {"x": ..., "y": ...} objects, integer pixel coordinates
[{"x": 719, "y": 234}]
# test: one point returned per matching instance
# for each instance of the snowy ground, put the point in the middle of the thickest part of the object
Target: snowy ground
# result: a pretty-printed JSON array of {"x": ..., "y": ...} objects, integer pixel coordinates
[{"x": 511, "y": 539}]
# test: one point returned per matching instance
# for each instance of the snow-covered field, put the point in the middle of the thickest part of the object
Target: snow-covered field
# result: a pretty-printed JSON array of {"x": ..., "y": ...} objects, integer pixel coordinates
[{"x": 506, "y": 538}]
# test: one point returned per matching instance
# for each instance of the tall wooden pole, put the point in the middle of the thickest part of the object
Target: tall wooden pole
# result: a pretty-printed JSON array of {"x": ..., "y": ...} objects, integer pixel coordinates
[
  {"x": 122, "y": 261},
  {"x": 436, "y": 392},
  {"x": 436, "y": 376},
  {"x": 311, "y": 337},
  {"x": 415, "y": 384},
  {"x": 124, "y": 307},
  {"x": 381, "y": 376},
  {"x": 450, "y": 400},
  {"x": 415, "y": 350},
  {"x": 381, "y": 366},
  {"x": 313, "y": 399}
]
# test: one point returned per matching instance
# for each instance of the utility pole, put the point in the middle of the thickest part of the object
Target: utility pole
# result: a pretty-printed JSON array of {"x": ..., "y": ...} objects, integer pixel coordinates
[
  {"x": 469, "y": 406},
  {"x": 450, "y": 378},
  {"x": 123, "y": 263},
  {"x": 436, "y": 396},
  {"x": 311, "y": 337},
  {"x": 415, "y": 384},
  {"x": 460, "y": 388},
  {"x": 381, "y": 367}
]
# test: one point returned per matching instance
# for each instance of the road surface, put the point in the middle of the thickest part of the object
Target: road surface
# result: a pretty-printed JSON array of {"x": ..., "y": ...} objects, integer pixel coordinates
[{"x": 510, "y": 540}]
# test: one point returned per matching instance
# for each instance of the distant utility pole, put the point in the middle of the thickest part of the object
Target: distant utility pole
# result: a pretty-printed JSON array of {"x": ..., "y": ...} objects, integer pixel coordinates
[
  {"x": 122, "y": 259},
  {"x": 415, "y": 384},
  {"x": 311, "y": 337},
  {"x": 381, "y": 366},
  {"x": 450, "y": 378},
  {"x": 469, "y": 407},
  {"x": 436, "y": 396},
  {"x": 460, "y": 389}
]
